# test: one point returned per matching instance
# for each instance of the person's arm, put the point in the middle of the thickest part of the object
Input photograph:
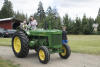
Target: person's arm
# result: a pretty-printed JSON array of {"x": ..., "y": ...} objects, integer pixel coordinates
[
  {"x": 36, "y": 23},
  {"x": 29, "y": 26}
]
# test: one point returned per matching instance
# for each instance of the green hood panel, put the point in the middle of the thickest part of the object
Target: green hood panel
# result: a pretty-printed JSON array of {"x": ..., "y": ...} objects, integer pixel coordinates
[{"x": 42, "y": 32}]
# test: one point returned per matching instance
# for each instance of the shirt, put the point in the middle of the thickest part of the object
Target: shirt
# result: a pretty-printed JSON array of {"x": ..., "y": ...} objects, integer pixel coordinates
[
  {"x": 33, "y": 24},
  {"x": 64, "y": 35}
]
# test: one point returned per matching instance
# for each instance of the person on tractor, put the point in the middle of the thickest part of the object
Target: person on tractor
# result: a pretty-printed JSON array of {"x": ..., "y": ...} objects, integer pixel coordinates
[
  {"x": 24, "y": 25},
  {"x": 33, "y": 23},
  {"x": 64, "y": 35}
]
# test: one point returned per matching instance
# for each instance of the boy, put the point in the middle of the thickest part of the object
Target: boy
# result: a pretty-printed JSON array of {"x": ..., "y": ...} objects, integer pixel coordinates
[
  {"x": 64, "y": 35},
  {"x": 24, "y": 25}
]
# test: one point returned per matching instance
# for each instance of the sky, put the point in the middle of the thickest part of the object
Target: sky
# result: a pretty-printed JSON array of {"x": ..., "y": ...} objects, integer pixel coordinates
[{"x": 74, "y": 8}]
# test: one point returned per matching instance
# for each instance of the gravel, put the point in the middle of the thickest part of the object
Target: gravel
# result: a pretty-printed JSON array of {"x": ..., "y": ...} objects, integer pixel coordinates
[{"x": 75, "y": 60}]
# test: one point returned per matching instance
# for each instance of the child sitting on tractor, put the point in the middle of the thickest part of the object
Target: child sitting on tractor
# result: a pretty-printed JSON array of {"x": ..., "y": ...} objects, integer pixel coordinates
[
  {"x": 23, "y": 25},
  {"x": 64, "y": 35}
]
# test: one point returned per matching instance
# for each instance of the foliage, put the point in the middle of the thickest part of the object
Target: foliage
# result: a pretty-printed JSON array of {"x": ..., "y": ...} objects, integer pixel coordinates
[
  {"x": 77, "y": 26},
  {"x": 97, "y": 20},
  {"x": 47, "y": 19},
  {"x": 53, "y": 19},
  {"x": 50, "y": 19},
  {"x": 40, "y": 15},
  {"x": 20, "y": 16},
  {"x": 6, "y": 10},
  {"x": 87, "y": 25}
]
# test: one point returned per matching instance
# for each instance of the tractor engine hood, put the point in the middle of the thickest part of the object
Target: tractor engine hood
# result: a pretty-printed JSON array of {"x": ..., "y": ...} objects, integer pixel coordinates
[{"x": 42, "y": 32}]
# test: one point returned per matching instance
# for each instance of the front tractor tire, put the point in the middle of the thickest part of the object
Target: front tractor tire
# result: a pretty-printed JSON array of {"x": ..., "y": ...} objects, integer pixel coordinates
[
  {"x": 43, "y": 54},
  {"x": 20, "y": 44},
  {"x": 66, "y": 52}
]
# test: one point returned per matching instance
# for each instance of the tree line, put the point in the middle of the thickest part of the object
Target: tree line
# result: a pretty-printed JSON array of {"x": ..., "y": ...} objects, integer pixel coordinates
[
  {"x": 7, "y": 11},
  {"x": 51, "y": 19}
]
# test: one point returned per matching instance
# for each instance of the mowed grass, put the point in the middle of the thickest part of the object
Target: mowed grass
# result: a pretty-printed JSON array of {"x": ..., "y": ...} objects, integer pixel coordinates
[
  {"x": 89, "y": 44},
  {"x": 5, "y": 41},
  {"x": 3, "y": 62},
  {"x": 7, "y": 63}
]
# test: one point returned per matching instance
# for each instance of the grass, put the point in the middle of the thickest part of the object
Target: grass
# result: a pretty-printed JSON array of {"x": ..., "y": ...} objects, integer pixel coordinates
[
  {"x": 5, "y": 41},
  {"x": 7, "y": 63},
  {"x": 89, "y": 44}
]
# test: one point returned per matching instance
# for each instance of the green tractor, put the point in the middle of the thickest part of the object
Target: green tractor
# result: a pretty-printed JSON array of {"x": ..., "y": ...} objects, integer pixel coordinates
[{"x": 44, "y": 42}]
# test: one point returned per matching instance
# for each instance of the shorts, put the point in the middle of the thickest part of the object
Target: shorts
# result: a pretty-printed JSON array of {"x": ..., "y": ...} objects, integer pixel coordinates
[{"x": 64, "y": 41}]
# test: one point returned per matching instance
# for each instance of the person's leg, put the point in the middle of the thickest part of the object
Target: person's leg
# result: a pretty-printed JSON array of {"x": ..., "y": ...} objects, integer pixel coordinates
[
  {"x": 66, "y": 41},
  {"x": 63, "y": 42}
]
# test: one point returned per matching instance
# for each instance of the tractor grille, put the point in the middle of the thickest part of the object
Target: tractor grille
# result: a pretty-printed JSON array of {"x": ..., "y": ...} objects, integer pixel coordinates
[{"x": 56, "y": 40}]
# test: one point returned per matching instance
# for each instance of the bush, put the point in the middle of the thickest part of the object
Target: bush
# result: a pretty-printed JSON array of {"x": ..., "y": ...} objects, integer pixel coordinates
[{"x": 96, "y": 33}]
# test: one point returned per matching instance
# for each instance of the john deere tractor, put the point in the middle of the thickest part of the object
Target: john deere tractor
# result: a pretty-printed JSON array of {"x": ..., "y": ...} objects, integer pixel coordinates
[{"x": 44, "y": 42}]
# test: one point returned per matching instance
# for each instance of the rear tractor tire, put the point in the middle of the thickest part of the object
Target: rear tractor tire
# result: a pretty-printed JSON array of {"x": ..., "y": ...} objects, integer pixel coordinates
[
  {"x": 43, "y": 54},
  {"x": 20, "y": 44}
]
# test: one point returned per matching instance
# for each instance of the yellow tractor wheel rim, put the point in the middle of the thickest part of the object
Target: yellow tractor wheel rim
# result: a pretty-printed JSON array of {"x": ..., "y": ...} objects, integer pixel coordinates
[
  {"x": 17, "y": 44},
  {"x": 41, "y": 55},
  {"x": 64, "y": 51}
]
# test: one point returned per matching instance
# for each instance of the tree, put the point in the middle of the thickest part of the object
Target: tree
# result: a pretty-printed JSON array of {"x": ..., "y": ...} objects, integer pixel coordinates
[
  {"x": 50, "y": 18},
  {"x": 36, "y": 16},
  {"x": 77, "y": 26},
  {"x": 84, "y": 24},
  {"x": 20, "y": 16},
  {"x": 40, "y": 14},
  {"x": 59, "y": 24},
  {"x": 87, "y": 25},
  {"x": 6, "y": 10},
  {"x": 97, "y": 20},
  {"x": 90, "y": 25},
  {"x": 68, "y": 23},
  {"x": 53, "y": 19},
  {"x": 66, "y": 20}
]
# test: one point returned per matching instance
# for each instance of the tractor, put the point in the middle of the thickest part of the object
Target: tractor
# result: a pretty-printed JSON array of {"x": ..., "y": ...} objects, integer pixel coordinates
[{"x": 43, "y": 41}]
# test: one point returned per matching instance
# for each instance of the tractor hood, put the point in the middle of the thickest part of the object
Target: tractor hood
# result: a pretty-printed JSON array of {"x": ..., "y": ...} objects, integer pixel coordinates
[{"x": 42, "y": 32}]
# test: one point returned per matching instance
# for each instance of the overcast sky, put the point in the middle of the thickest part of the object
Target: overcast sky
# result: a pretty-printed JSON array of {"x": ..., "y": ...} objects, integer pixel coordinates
[{"x": 74, "y": 8}]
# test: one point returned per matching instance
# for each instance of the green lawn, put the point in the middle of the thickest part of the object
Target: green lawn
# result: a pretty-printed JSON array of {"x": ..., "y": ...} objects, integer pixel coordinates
[
  {"x": 79, "y": 43},
  {"x": 7, "y": 63},
  {"x": 85, "y": 43},
  {"x": 5, "y": 41}
]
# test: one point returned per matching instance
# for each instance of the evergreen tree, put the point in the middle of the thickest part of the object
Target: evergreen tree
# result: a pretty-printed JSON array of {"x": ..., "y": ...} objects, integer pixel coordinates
[
  {"x": 87, "y": 25},
  {"x": 97, "y": 20},
  {"x": 40, "y": 14},
  {"x": 20, "y": 16},
  {"x": 53, "y": 19},
  {"x": 77, "y": 26},
  {"x": 90, "y": 25},
  {"x": 58, "y": 25},
  {"x": 67, "y": 22},
  {"x": 84, "y": 24},
  {"x": 36, "y": 16},
  {"x": 6, "y": 10}
]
